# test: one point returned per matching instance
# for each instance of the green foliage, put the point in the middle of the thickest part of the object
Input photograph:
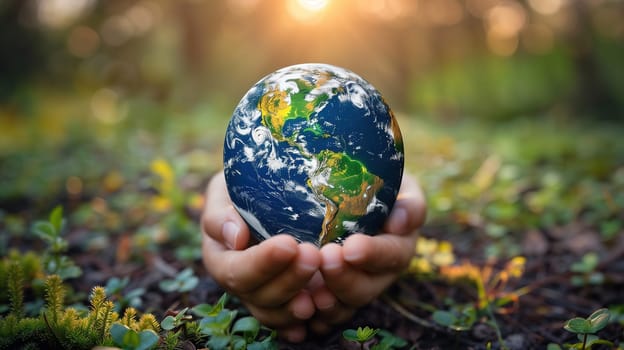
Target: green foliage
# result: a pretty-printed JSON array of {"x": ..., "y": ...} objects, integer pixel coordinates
[
  {"x": 184, "y": 281},
  {"x": 115, "y": 290},
  {"x": 585, "y": 271},
  {"x": 592, "y": 324},
  {"x": 363, "y": 335},
  {"x": 15, "y": 288},
  {"x": 459, "y": 318},
  {"x": 225, "y": 331},
  {"x": 60, "y": 327},
  {"x": 360, "y": 335},
  {"x": 389, "y": 341},
  {"x": 585, "y": 329},
  {"x": 175, "y": 321},
  {"x": 20, "y": 273},
  {"x": 55, "y": 262},
  {"x": 129, "y": 339}
]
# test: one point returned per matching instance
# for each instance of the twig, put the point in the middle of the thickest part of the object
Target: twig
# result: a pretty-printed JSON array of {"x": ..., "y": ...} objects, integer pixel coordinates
[{"x": 403, "y": 311}]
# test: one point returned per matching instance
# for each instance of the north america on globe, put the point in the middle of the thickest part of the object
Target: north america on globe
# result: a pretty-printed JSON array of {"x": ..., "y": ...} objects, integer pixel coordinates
[{"x": 314, "y": 151}]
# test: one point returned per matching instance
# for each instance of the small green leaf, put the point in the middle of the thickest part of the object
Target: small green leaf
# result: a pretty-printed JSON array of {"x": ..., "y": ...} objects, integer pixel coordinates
[
  {"x": 56, "y": 218},
  {"x": 44, "y": 230},
  {"x": 578, "y": 325},
  {"x": 218, "y": 342},
  {"x": 553, "y": 346},
  {"x": 389, "y": 340},
  {"x": 205, "y": 310},
  {"x": 444, "y": 318},
  {"x": 168, "y": 323},
  {"x": 118, "y": 331},
  {"x": 189, "y": 284},
  {"x": 184, "y": 274},
  {"x": 599, "y": 319},
  {"x": 148, "y": 339},
  {"x": 168, "y": 285},
  {"x": 350, "y": 334},
  {"x": 238, "y": 343},
  {"x": 66, "y": 272},
  {"x": 131, "y": 340},
  {"x": 366, "y": 333},
  {"x": 247, "y": 325}
]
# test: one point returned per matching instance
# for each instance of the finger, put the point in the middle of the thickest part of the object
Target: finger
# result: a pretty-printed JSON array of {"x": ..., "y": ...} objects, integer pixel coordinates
[
  {"x": 410, "y": 209},
  {"x": 325, "y": 321},
  {"x": 219, "y": 219},
  {"x": 245, "y": 270},
  {"x": 351, "y": 285},
  {"x": 293, "y": 334},
  {"x": 295, "y": 311},
  {"x": 324, "y": 299},
  {"x": 292, "y": 280},
  {"x": 385, "y": 253}
]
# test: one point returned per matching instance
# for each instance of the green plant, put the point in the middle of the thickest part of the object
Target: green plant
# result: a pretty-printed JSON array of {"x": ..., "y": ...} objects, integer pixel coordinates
[
  {"x": 54, "y": 260},
  {"x": 585, "y": 271},
  {"x": 61, "y": 327},
  {"x": 129, "y": 339},
  {"x": 492, "y": 294},
  {"x": 360, "y": 335},
  {"x": 184, "y": 282},
  {"x": 227, "y": 332},
  {"x": 115, "y": 289},
  {"x": 31, "y": 274},
  {"x": 458, "y": 317},
  {"x": 585, "y": 329},
  {"x": 389, "y": 341},
  {"x": 176, "y": 320}
]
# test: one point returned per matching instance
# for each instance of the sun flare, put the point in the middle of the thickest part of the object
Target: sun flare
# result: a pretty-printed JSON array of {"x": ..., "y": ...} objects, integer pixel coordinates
[{"x": 313, "y": 5}]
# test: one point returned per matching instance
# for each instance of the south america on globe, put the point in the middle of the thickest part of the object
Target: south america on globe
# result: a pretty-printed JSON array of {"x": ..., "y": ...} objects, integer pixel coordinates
[{"x": 314, "y": 151}]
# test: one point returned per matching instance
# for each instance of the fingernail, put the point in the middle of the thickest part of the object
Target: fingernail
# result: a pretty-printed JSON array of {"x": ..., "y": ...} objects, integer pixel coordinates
[
  {"x": 398, "y": 219},
  {"x": 353, "y": 256},
  {"x": 286, "y": 247},
  {"x": 230, "y": 233},
  {"x": 332, "y": 263}
]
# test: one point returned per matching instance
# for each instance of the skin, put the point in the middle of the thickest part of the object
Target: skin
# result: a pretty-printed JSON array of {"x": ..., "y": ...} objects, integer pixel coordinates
[{"x": 295, "y": 288}]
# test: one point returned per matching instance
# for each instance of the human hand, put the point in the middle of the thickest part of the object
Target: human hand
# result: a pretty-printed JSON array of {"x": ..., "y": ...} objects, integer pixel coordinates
[
  {"x": 354, "y": 274},
  {"x": 280, "y": 281},
  {"x": 269, "y": 278}
]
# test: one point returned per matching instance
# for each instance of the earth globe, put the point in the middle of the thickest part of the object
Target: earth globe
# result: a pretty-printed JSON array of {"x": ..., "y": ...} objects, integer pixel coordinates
[{"x": 314, "y": 151}]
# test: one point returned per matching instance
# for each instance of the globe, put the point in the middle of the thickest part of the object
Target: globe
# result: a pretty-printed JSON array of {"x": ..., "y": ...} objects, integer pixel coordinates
[{"x": 314, "y": 151}]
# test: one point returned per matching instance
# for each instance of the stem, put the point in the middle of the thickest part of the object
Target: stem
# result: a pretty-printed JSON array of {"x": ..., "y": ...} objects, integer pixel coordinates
[
  {"x": 493, "y": 322},
  {"x": 54, "y": 335},
  {"x": 584, "y": 341}
]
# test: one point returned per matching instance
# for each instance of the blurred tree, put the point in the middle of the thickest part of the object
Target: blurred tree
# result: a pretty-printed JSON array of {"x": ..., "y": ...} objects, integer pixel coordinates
[
  {"x": 593, "y": 95},
  {"x": 22, "y": 48}
]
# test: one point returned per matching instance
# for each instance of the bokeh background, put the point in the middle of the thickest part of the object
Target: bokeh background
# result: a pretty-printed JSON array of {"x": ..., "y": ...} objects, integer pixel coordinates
[
  {"x": 511, "y": 110},
  {"x": 437, "y": 58}
]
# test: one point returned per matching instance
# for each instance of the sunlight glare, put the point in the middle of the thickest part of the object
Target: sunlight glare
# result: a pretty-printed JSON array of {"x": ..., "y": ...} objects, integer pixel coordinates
[
  {"x": 313, "y": 5},
  {"x": 309, "y": 11}
]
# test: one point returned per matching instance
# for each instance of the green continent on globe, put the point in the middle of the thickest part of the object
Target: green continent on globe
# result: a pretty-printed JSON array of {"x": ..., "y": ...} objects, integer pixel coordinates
[
  {"x": 279, "y": 106},
  {"x": 346, "y": 187}
]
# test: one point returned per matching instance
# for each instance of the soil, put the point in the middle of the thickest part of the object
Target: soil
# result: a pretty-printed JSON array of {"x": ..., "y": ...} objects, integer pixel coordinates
[{"x": 532, "y": 321}]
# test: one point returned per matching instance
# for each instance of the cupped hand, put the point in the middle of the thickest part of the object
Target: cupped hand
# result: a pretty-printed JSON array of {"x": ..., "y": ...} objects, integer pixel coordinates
[
  {"x": 270, "y": 277},
  {"x": 354, "y": 274},
  {"x": 290, "y": 286}
]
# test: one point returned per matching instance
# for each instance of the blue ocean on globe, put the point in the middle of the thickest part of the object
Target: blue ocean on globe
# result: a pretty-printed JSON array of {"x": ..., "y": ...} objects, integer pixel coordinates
[{"x": 314, "y": 151}]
